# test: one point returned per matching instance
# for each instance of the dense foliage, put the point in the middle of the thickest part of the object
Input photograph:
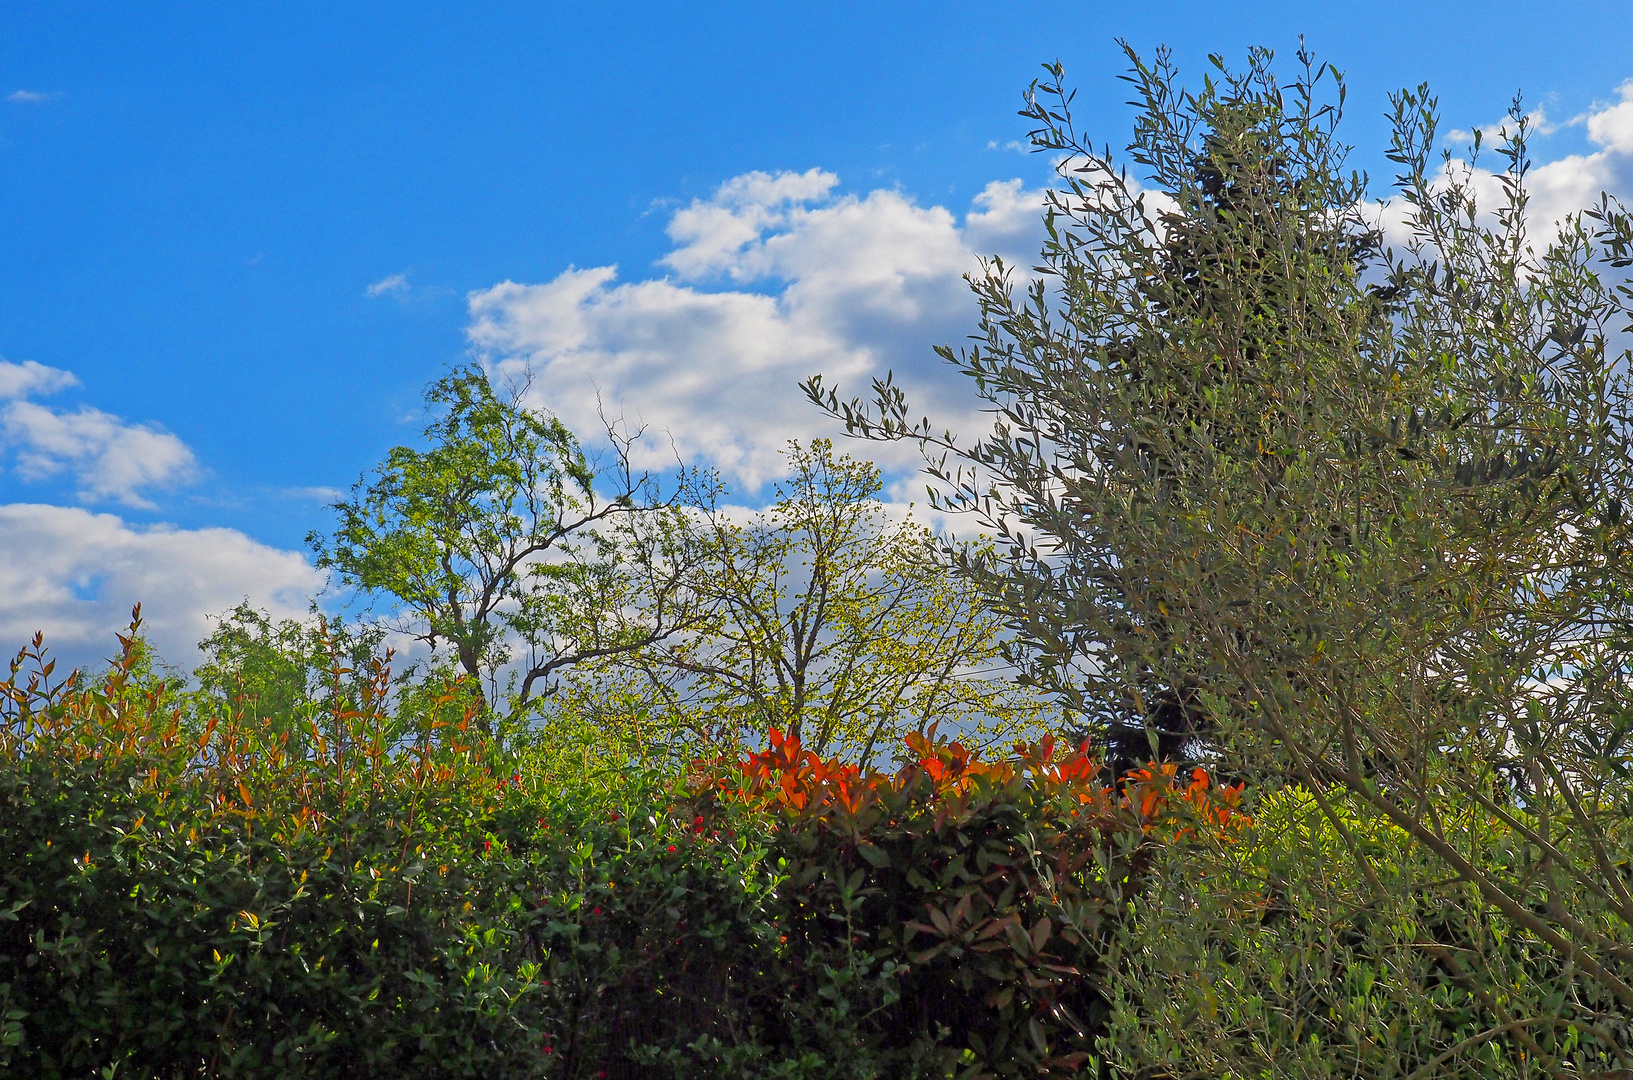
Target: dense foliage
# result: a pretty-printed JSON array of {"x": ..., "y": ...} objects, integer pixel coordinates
[
  {"x": 259, "y": 897},
  {"x": 1336, "y": 516},
  {"x": 348, "y": 890},
  {"x": 1273, "y": 503}
]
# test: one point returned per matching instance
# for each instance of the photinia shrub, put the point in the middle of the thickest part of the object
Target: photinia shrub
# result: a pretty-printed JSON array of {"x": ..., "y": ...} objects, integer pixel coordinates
[
  {"x": 956, "y": 906},
  {"x": 267, "y": 898}
]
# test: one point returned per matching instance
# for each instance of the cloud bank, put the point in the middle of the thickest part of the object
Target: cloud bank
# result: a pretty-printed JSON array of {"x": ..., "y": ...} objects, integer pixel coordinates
[
  {"x": 771, "y": 279},
  {"x": 74, "y": 574}
]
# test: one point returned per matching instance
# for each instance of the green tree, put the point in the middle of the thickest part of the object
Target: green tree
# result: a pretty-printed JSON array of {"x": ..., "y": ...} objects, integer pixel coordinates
[
  {"x": 1365, "y": 516},
  {"x": 495, "y": 543},
  {"x": 825, "y": 618},
  {"x": 262, "y": 669},
  {"x": 255, "y": 664}
]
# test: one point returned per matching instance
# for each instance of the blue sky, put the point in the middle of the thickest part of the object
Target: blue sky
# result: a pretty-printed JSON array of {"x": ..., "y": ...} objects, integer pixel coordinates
[{"x": 236, "y": 239}]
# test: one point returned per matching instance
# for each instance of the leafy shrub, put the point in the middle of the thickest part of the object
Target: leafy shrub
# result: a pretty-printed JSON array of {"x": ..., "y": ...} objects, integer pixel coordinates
[
  {"x": 1273, "y": 957},
  {"x": 338, "y": 890},
  {"x": 949, "y": 919},
  {"x": 251, "y": 899}
]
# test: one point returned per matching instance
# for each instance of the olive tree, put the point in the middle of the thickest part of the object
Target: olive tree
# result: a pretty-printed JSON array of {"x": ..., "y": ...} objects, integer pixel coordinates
[{"x": 1349, "y": 519}]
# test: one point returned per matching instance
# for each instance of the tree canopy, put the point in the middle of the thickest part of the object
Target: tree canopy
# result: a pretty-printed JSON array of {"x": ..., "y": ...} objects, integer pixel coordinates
[
  {"x": 493, "y": 539},
  {"x": 1352, "y": 511},
  {"x": 823, "y": 617}
]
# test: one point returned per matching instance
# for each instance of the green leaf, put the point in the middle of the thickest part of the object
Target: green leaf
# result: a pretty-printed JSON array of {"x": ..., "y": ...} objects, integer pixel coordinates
[{"x": 875, "y": 855}]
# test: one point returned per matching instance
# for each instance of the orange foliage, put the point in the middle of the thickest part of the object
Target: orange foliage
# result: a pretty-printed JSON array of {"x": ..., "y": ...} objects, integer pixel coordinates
[
  {"x": 787, "y": 777},
  {"x": 990, "y": 884},
  {"x": 307, "y": 771}
]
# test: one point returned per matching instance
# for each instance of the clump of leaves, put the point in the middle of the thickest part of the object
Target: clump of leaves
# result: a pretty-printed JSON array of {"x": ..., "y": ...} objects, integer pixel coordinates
[{"x": 967, "y": 900}]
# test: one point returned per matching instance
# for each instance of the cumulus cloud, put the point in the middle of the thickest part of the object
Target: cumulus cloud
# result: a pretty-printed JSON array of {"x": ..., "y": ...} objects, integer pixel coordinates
[
  {"x": 778, "y": 276},
  {"x": 28, "y": 97},
  {"x": 1611, "y": 126},
  {"x": 109, "y": 458},
  {"x": 773, "y": 278},
  {"x": 74, "y": 574},
  {"x": 712, "y": 234}
]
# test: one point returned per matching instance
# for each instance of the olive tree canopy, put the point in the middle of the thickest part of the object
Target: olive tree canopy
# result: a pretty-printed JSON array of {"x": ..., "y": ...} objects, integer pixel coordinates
[{"x": 1345, "y": 517}]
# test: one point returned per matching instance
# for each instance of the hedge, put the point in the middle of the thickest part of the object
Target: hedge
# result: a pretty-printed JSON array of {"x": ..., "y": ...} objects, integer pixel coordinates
[{"x": 346, "y": 893}]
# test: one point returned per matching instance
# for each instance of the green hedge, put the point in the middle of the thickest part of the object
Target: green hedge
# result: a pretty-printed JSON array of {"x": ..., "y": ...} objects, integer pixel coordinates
[{"x": 347, "y": 893}]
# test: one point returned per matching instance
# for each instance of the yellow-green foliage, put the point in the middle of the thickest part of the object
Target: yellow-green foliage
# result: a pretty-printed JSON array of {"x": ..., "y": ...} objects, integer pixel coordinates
[
  {"x": 1329, "y": 943},
  {"x": 822, "y": 616}
]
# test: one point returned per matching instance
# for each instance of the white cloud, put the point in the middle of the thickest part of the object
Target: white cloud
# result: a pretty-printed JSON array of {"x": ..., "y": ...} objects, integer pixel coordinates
[
  {"x": 1492, "y": 134},
  {"x": 1569, "y": 184},
  {"x": 74, "y": 574},
  {"x": 395, "y": 285},
  {"x": 713, "y": 233},
  {"x": 1612, "y": 125},
  {"x": 30, "y": 378},
  {"x": 847, "y": 287},
  {"x": 110, "y": 459},
  {"x": 776, "y": 277},
  {"x": 28, "y": 97},
  {"x": 320, "y": 493}
]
